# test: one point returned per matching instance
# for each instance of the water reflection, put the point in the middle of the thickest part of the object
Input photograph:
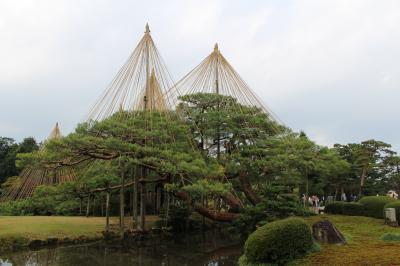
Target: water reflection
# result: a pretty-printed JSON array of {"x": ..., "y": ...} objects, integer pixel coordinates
[{"x": 211, "y": 248}]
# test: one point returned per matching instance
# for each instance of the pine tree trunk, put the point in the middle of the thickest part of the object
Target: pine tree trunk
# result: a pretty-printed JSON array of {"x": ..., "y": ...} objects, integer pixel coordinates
[
  {"x": 362, "y": 181},
  {"x": 247, "y": 189},
  {"x": 209, "y": 213}
]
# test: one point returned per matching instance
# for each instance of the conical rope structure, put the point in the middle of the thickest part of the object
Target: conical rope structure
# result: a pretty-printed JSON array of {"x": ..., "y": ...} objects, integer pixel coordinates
[
  {"x": 30, "y": 178},
  {"x": 216, "y": 75},
  {"x": 142, "y": 80}
]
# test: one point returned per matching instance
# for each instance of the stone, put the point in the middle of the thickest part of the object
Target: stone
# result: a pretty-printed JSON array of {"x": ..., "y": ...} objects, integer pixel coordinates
[
  {"x": 326, "y": 232},
  {"x": 36, "y": 244},
  {"x": 52, "y": 241}
]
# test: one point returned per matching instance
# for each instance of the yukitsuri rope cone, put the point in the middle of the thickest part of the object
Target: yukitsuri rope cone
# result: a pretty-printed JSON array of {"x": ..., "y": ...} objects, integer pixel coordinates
[
  {"x": 144, "y": 78},
  {"x": 215, "y": 75},
  {"x": 30, "y": 178},
  {"x": 138, "y": 90}
]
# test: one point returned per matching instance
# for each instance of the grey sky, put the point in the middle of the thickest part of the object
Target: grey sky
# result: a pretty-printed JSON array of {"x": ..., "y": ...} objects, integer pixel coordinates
[{"x": 330, "y": 68}]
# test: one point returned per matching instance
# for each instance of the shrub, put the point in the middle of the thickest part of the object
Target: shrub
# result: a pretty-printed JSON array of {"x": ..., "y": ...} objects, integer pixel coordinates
[
  {"x": 278, "y": 242},
  {"x": 68, "y": 207},
  {"x": 374, "y": 205},
  {"x": 396, "y": 206},
  {"x": 334, "y": 207},
  {"x": 391, "y": 237},
  {"x": 353, "y": 209},
  {"x": 277, "y": 204}
]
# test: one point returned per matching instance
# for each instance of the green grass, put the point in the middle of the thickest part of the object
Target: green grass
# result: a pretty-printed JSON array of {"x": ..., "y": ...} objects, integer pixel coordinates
[
  {"x": 41, "y": 227},
  {"x": 364, "y": 247}
]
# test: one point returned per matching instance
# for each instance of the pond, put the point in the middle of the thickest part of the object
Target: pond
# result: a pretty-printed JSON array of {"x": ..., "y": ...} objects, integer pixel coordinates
[{"x": 210, "y": 248}]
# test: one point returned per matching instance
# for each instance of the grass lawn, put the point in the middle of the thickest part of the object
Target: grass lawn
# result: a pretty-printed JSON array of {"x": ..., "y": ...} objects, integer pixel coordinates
[
  {"x": 364, "y": 245},
  {"x": 41, "y": 227}
]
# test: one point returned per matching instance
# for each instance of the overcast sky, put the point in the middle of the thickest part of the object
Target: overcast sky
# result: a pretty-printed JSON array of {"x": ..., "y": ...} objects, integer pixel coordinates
[{"x": 328, "y": 67}]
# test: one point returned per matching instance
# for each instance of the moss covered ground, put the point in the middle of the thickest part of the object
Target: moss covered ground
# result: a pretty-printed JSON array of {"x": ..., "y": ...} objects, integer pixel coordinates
[{"x": 364, "y": 247}]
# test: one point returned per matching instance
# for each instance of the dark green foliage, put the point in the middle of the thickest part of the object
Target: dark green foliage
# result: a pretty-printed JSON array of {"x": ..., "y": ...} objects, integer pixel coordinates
[
  {"x": 353, "y": 209},
  {"x": 176, "y": 217},
  {"x": 374, "y": 205},
  {"x": 396, "y": 206},
  {"x": 276, "y": 205},
  {"x": 279, "y": 242},
  {"x": 8, "y": 155},
  {"x": 334, "y": 207},
  {"x": 391, "y": 237},
  {"x": 46, "y": 200}
]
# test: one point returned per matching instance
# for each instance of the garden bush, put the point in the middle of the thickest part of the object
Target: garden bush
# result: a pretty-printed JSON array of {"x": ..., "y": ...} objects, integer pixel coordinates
[
  {"x": 353, "y": 209},
  {"x": 391, "y": 237},
  {"x": 396, "y": 206},
  {"x": 278, "y": 242},
  {"x": 277, "y": 204},
  {"x": 334, "y": 207},
  {"x": 374, "y": 205}
]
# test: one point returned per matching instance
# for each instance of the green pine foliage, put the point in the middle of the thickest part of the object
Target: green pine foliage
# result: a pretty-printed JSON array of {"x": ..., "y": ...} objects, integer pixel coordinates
[{"x": 276, "y": 205}]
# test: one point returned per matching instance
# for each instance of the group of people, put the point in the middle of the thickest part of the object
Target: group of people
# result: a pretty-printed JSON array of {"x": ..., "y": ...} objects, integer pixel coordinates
[
  {"x": 313, "y": 201},
  {"x": 316, "y": 202}
]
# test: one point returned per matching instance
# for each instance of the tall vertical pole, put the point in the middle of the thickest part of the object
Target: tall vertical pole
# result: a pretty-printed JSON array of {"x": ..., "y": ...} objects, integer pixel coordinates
[
  {"x": 107, "y": 209},
  {"x": 144, "y": 170},
  {"x": 135, "y": 196},
  {"x": 122, "y": 202},
  {"x": 216, "y": 51}
]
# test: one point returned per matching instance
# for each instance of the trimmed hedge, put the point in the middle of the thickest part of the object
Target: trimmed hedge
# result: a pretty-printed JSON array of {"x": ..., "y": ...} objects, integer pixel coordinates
[
  {"x": 278, "y": 242},
  {"x": 396, "y": 206},
  {"x": 334, "y": 207},
  {"x": 374, "y": 205},
  {"x": 353, "y": 209}
]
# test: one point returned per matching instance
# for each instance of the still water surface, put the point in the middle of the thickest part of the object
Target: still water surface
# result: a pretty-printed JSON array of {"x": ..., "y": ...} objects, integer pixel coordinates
[{"x": 211, "y": 248}]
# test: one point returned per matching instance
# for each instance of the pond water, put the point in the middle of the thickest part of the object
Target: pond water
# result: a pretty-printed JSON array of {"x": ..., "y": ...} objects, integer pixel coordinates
[{"x": 210, "y": 248}]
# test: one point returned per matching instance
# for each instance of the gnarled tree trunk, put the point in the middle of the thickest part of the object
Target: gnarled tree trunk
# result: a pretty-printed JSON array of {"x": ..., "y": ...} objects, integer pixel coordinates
[
  {"x": 211, "y": 214},
  {"x": 247, "y": 189}
]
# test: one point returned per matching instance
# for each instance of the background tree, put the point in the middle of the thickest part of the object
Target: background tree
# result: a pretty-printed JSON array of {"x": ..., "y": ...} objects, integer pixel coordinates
[{"x": 8, "y": 155}]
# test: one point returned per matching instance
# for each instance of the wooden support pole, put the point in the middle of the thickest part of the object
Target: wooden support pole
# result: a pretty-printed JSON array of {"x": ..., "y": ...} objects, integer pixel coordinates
[
  {"x": 94, "y": 205},
  {"x": 135, "y": 198},
  {"x": 122, "y": 203},
  {"x": 158, "y": 198},
  {"x": 88, "y": 206},
  {"x": 80, "y": 206},
  {"x": 107, "y": 210},
  {"x": 142, "y": 206}
]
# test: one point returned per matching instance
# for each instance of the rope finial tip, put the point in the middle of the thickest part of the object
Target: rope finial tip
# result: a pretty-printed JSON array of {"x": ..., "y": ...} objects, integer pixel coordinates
[
  {"x": 147, "y": 28},
  {"x": 216, "y": 47}
]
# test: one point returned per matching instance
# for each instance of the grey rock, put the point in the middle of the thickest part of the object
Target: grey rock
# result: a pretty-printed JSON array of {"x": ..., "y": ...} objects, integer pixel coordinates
[{"x": 326, "y": 232}]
